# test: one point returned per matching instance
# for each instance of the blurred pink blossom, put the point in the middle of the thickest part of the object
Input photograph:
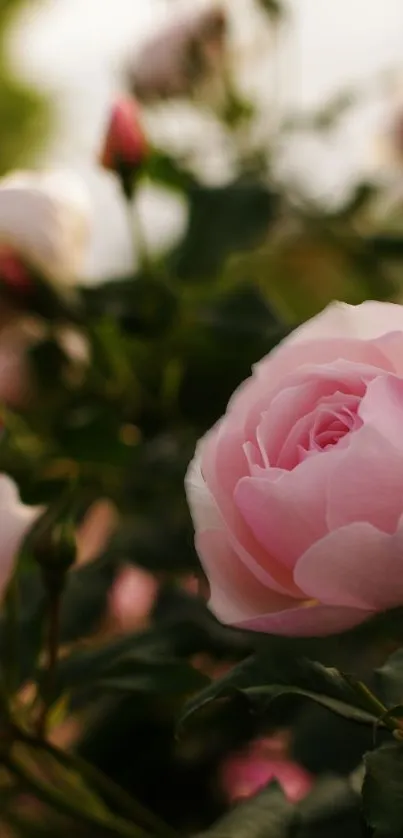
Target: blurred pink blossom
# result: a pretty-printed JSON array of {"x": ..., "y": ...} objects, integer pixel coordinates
[
  {"x": 96, "y": 530},
  {"x": 132, "y": 598},
  {"x": 180, "y": 55},
  {"x": 13, "y": 272},
  {"x": 247, "y": 772}
]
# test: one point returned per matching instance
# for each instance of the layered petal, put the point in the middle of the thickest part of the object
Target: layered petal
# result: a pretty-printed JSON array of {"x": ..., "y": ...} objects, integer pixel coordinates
[
  {"x": 223, "y": 463},
  {"x": 236, "y": 593},
  {"x": 309, "y": 619},
  {"x": 356, "y": 566},
  {"x": 286, "y": 510},
  {"x": 255, "y": 562},
  {"x": 367, "y": 481}
]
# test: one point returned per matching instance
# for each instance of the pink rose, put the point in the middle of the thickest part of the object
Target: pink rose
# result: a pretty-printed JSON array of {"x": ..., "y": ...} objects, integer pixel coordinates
[{"x": 297, "y": 492}]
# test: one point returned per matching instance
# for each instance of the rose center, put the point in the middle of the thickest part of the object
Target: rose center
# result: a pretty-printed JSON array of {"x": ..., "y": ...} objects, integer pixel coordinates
[{"x": 330, "y": 426}]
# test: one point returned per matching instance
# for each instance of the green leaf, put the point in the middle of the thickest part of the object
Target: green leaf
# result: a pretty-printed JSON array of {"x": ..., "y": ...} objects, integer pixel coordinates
[
  {"x": 273, "y": 8},
  {"x": 170, "y": 677},
  {"x": 85, "y": 597},
  {"x": 268, "y": 815},
  {"x": 92, "y": 434},
  {"x": 331, "y": 809},
  {"x": 222, "y": 220},
  {"x": 168, "y": 172},
  {"x": 383, "y": 791},
  {"x": 265, "y": 676},
  {"x": 135, "y": 663},
  {"x": 20, "y": 642},
  {"x": 262, "y": 697},
  {"x": 388, "y": 680}
]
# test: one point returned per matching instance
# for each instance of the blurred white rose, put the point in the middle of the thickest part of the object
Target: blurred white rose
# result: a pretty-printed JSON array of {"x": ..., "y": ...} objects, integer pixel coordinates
[
  {"x": 15, "y": 521},
  {"x": 45, "y": 220}
]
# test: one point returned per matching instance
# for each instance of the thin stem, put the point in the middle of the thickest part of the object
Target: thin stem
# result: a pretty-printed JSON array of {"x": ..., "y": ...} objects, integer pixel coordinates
[
  {"x": 11, "y": 646},
  {"x": 374, "y": 705},
  {"x": 66, "y": 806},
  {"x": 140, "y": 249},
  {"x": 52, "y": 654},
  {"x": 104, "y": 784}
]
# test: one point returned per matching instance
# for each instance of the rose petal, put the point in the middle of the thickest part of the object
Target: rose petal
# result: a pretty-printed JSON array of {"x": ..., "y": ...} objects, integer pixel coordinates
[
  {"x": 286, "y": 511},
  {"x": 367, "y": 481},
  {"x": 357, "y": 566},
  {"x": 290, "y": 356},
  {"x": 223, "y": 464},
  {"x": 367, "y": 321},
  {"x": 236, "y": 594},
  {"x": 307, "y": 620},
  {"x": 203, "y": 508}
]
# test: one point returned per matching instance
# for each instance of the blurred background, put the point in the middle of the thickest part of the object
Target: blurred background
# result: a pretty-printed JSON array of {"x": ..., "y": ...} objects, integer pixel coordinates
[
  {"x": 75, "y": 50},
  {"x": 259, "y": 145}
]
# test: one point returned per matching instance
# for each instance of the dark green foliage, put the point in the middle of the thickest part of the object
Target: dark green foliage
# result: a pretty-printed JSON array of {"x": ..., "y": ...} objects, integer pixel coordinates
[
  {"x": 222, "y": 221},
  {"x": 383, "y": 791}
]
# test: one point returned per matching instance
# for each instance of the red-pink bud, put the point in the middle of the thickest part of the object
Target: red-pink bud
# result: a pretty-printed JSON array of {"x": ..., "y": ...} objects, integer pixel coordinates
[
  {"x": 13, "y": 272},
  {"x": 125, "y": 146}
]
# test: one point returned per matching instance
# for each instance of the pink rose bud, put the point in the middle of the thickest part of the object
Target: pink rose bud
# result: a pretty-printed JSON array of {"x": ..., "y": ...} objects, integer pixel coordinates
[
  {"x": 125, "y": 145},
  {"x": 246, "y": 773}
]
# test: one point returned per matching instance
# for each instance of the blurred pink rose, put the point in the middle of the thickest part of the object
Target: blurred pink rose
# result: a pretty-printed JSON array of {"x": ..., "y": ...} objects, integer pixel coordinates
[
  {"x": 15, "y": 521},
  {"x": 246, "y": 773},
  {"x": 297, "y": 492},
  {"x": 132, "y": 598},
  {"x": 180, "y": 55},
  {"x": 125, "y": 143}
]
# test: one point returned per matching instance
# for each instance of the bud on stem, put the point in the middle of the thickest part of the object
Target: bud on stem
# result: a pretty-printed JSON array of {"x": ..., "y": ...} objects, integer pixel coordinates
[{"x": 125, "y": 146}]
